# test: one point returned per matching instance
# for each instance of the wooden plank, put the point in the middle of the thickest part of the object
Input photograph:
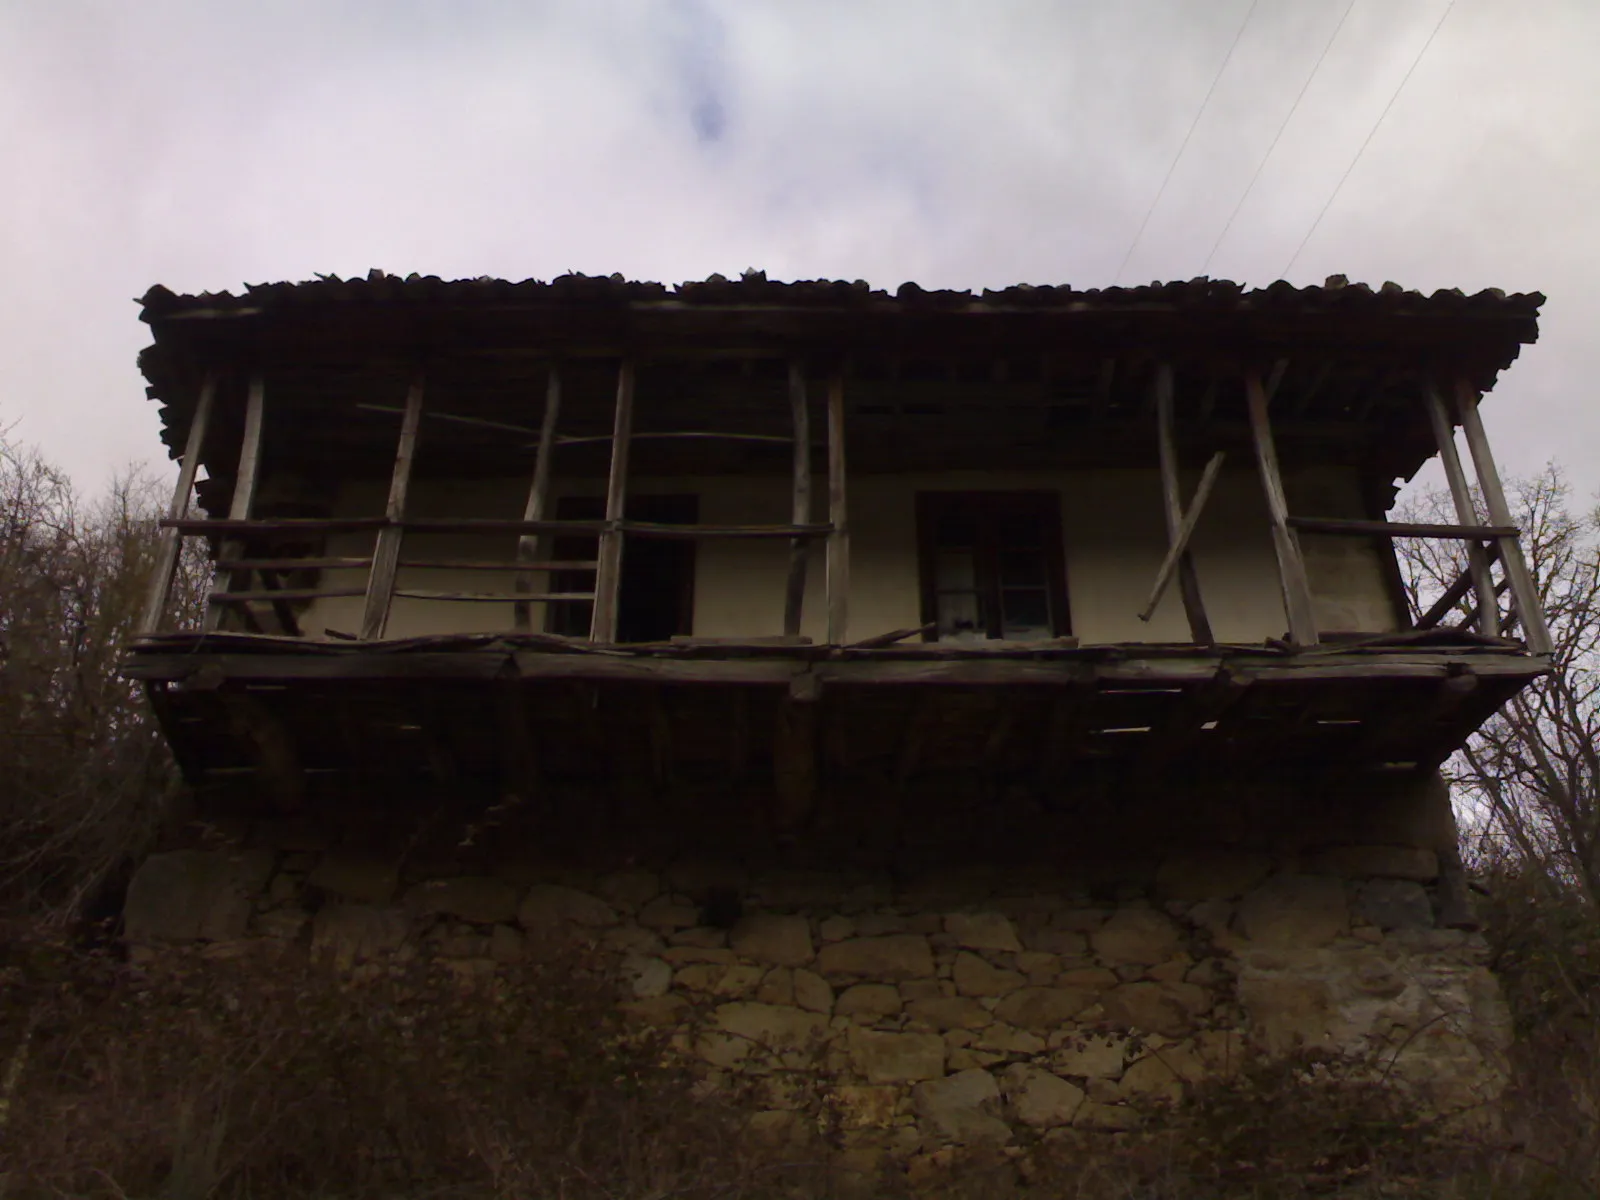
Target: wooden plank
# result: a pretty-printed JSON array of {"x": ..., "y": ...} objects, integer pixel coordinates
[
  {"x": 800, "y": 508},
  {"x": 280, "y": 604},
  {"x": 608, "y": 576},
  {"x": 1166, "y": 440},
  {"x": 1523, "y": 592},
  {"x": 244, "y": 488},
  {"x": 528, "y": 545},
  {"x": 189, "y": 525},
  {"x": 294, "y": 564},
  {"x": 691, "y": 435},
  {"x": 283, "y": 595},
  {"x": 1444, "y": 435},
  {"x": 483, "y": 564},
  {"x": 498, "y": 525},
  {"x": 166, "y": 558},
  {"x": 657, "y": 530},
  {"x": 410, "y": 593},
  {"x": 1360, "y": 528},
  {"x": 386, "y": 554},
  {"x": 1180, "y": 547},
  {"x": 838, "y": 560},
  {"x": 1292, "y": 580}
]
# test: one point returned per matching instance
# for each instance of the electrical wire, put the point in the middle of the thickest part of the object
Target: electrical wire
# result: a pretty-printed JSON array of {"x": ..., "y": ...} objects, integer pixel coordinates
[
  {"x": 1293, "y": 108},
  {"x": 1173, "y": 166},
  {"x": 1373, "y": 132}
]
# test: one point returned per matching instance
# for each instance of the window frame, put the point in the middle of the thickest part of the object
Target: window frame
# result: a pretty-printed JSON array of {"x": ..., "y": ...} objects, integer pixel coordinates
[{"x": 990, "y": 505}]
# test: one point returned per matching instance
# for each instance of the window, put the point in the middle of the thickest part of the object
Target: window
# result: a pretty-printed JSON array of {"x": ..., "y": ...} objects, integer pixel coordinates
[
  {"x": 991, "y": 565},
  {"x": 655, "y": 601}
]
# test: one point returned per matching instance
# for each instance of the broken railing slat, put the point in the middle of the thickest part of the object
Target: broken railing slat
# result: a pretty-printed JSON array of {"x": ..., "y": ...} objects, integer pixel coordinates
[
  {"x": 386, "y": 554},
  {"x": 528, "y": 544},
  {"x": 800, "y": 501},
  {"x": 1167, "y": 446},
  {"x": 166, "y": 564},
  {"x": 1478, "y": 573},
  {"x": 1292, "y": 580},
  {"x": 1180, "y": 543},
  {"x": 608, "y": 575},
  {"x": 1351, "y": 525},
  {"x": 244, "y": 488},
  {"x": 492, "y": 597}
]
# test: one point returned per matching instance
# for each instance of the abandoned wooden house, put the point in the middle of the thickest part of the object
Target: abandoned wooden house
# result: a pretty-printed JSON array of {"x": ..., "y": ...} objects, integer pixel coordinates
[{"x": 1023, "y": 666}]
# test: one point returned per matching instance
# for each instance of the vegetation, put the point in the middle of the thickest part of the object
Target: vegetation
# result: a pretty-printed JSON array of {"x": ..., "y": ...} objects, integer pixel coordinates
[{"x": 211, "y": 1079}]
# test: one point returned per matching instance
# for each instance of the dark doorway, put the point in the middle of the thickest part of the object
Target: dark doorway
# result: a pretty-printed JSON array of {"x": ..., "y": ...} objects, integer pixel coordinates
[{"x": 657, "y": 594}]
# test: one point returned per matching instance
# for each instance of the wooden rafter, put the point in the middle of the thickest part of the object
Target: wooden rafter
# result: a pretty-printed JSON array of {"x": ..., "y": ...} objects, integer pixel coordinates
[{"x": 1292, "y": 580}]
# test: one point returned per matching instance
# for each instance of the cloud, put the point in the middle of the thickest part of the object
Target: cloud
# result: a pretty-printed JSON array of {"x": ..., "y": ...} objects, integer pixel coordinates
[{"x": 955, "y": 142}]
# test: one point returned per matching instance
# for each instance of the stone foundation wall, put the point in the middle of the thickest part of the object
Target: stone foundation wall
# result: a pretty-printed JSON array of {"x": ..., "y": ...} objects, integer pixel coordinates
[{"x": 909, "y": 1010}]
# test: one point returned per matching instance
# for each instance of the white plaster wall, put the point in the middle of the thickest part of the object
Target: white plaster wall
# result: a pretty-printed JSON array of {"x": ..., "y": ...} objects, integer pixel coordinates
[{"x": 1112, "y": 526}]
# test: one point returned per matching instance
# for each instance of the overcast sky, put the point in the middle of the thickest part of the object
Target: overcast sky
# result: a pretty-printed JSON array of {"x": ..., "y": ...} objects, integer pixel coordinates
[{"x": 959, "y": 143}]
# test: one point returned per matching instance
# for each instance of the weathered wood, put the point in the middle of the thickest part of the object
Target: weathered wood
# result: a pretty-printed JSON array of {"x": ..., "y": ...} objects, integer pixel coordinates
[
  {"x": 693, "y": 435},
  {"x": 1180, "y": 547},
  {"x": 280, "y": 605},
  {"x": 283, "y": 595},
  {"x": 838, "y": 561},
  {"x": 410, "y": 593},
  {"x": 166, "y": 558},
  {"x": 528, "y": 544},
  {"x": 278, "y": 768},
  {"x": 658, "y": 530},
  {"x": 1292, "y": 580},
  {"x": 1360, "y": 528},
  {"x": 244, "y": 490},
  {"x": 189, "y": 525},
  {"x": 294, "y": 564},
  {"x": 1167, "y": 444},
  {"x": 1523, "y": 592},
  {"x": 800, "y": 507},
  {"x": 893, "y": 636},
  {"x": 386, "y": 554},
  {"x": 608, "y": 576},
  {"x": 480, "y": 564}
]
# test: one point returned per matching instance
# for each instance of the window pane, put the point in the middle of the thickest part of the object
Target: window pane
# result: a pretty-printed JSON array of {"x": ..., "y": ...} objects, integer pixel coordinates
[
  {"x": 954, "y": 572},
  {"x": 956, "y": 528},
  {"x": 1021, "y": 568},
  {"x": 1019, "y": 531},
  {"x": 1026, "y": 613},
  {"x": 958, "y": 612}
]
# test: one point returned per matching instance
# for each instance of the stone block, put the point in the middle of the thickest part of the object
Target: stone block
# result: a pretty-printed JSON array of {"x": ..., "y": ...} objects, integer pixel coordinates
[
  {"x": 1094, "y": 978},
  {"x": 1091, "y": 1056},
  {"x": 974, "y": 976},
  {"x": 629, "y": 890},
  {"x": 632, "y": 939},
  {"x": 506, "y": 944},
  {"x": 961, "y": 1108},
  {"x": 1139, "y": 936},
  {"x": 783, "y": 941},
  {"x": 812, "y": 992},
  {"x": 1160, "y": 1076},
  {"x": 1288, "y": 1011},
  {"x": 1381, "y": 862},
  {"x": 1294, "y": 911},
  {"x": 790, "y": 1033},
  {"x": 1394, "y": 904},
  {"x": 680, "y": 956},
  {"x": 982, "y": 931},
  {"x": 1068, "y": 943},
  {"x": 836, "y": 928},
  {"x": 659, "y": 1012},
  {"x": 549, "y": 906},
  {"x": 717, "y": 979},
  {"x": 284, "y": 923},
  {"x": 1038, "y": 1098},
  {"x": 481, "y": 899},
  {"x": 1043, "y": 1008},
  {"x": 868, "y": 999},
  {"x": 358, "y": 875},
  {"x": 1147, "y": 1008},
  {"x": 352, "y": 933},
  {"x": 1204, "y": 875},
  {"x": 1000, "y": 1038},
  {"x": 667, "y": 914},
  {"x": 896, "y": 1057},
  {"x": 777, "y": 987},
  {"x": 890, "y": 958},
  {"x": 708, "y": 937},
  {"x": 195, "y": 895},
  {"x": 645, "y": 977},
  {"x": 949, "y": 1012},
  {"x": 865, "y": 1106},
  {"x": 1106, "y": 1118}
]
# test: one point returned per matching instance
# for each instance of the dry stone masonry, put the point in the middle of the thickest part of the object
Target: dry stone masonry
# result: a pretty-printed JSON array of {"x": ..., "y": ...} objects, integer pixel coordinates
[{"x": 910, "y": 1013}]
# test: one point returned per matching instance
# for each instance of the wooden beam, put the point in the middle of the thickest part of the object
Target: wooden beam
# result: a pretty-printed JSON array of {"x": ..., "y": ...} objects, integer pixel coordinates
[
  {"x": 278, "y": 769},
  {"x": 1415, "y": 529},
  {"x": 528, "y": 546},
  {"x": 244, "y": 489},
  {"x": 491, "y": 597},
  {"x": 1444, "y": 436},
  {"x": 838, "y": 568},
  {"x": 1292, "y": 581},
  {"x": 1188, "y": 578},
  {"x": 1180, "y": 547},
  {"x": 1523, "y": 592},
  {"x": 386, "y": 554},
  {"x": 608, "y": 576},
  {"x": 166, "y": 558},
  {"x": 800, "y": 508}
]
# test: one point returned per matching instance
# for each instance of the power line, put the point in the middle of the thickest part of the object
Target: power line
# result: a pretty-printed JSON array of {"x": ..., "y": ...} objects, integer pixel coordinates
[
  {"x": 1293, "y": 108},
  {"x": 1173, "y": 166},
  {"x": 1373, "y": 132}
]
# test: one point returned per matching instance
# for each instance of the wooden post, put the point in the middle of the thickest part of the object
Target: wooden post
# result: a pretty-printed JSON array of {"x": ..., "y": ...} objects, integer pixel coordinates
[
  {"x": 166, "y": 564},
  {"x": 386, "y": 554},
  {"x": 838, "y": 569},
  {"x": 1179, "y": 546},
  {"x": 1488, "y": 620},
  {"x": 608, "y": 573},
  {"x": 244, "y": 492},
  {"x": 1523, "y": 592},
  {"x": 528, "y": 545},
  {"x": 1291, "y": 567},
  {"x": 800, "y": 513},
  {"x": 1188, "y": 579}
]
